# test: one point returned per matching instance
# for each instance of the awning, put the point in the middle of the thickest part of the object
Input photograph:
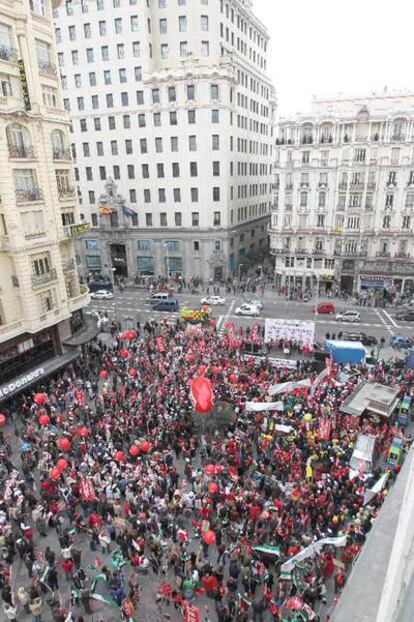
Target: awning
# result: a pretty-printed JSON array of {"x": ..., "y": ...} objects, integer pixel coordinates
[
  {"x": 85, "y": 335},
  {"x": 9, "y": 389}
]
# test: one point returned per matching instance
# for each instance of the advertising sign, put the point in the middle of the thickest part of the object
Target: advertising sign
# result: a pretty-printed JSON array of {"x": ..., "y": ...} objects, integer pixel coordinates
[{"x": 291, "y": 330}]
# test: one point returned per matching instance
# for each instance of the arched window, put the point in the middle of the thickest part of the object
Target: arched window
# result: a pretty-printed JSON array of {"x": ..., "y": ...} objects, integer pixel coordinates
[
  {"x": 399, "y": 128},
  {"x": 59, "y": 149},
  {"x": 19, "y": 142},
  {"x": 307, "y": 133}
]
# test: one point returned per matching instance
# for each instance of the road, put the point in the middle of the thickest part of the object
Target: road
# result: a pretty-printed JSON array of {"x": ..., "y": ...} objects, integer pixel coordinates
[{"x": 130, "y": 306}]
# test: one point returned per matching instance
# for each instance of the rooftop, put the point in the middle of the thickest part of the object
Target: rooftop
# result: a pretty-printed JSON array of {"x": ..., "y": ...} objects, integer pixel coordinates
[{"x": 376, "y": 398}]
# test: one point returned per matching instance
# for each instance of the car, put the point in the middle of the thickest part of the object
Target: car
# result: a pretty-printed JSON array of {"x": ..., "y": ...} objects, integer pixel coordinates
[
  {"x": 169, "y": 305},
  {"x": 401, "y": 343},
  {"x": 366, "y": 340},
  {"x": 248, "y": 310},
  {"x": 324, "y": 307},
  {"x": 213, "y": 301},
  {"x": 348, "y": 316},
  {"x": 102, "y": 294},
  {"x": 407, "y": 315},
  {"x": 256, "y": 302}
]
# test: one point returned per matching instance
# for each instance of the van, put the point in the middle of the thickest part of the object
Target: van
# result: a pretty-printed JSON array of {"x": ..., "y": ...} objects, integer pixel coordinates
[
  {"x": 166, "y": 305},
  {"x": 158, "y": 297}
]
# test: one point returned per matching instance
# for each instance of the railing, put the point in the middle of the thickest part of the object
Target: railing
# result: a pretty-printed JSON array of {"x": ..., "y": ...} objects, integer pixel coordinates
[
  {"x": 27, "y": 196},
  {"x": 357, "y": 186},
  {"x": 301, "y": 251},
  {"x": 381, "y": 254},
  {"x": 47, "y": 69},
  {"x": 8, "y": 53},
  {"x": 62, "y": 154},
  {"x": 21, "y": 151},
  {"x": 402, "y": 255},
  {"x": 69, "y": 266},
  {"x": 8, "y": 102},
  {"x": 38, "y": 280},
  {"x": 398, "y": 137},
  {"x": 66, "y": 193}
]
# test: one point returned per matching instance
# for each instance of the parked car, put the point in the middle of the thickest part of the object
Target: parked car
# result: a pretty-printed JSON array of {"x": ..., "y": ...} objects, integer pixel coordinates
[
  {"x": 166, "y": 305},
  {"x": 401, "y": 343},
  {"x": 366, "y": 340},
  {"x": 256, "y": 302},
  {"x": 248, "y": 310},
  {"x": 102, "y": 294},
  {"x": 324, "y": 307},
  {"x": 348, "y": 316},
  {"x": 407, "y": 315},
  {"x": 213, "y": 301}
]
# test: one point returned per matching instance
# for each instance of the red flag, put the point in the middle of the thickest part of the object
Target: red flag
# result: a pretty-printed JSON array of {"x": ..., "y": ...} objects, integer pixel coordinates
[
  {"x": 191, "y": 614},
  {"x": 86, "y": 489},
  {"x": 160, "y": 344}
]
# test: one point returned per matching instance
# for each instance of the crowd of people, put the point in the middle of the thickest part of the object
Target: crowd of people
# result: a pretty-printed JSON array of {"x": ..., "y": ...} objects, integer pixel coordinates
[{"x": 116, "y": 501}]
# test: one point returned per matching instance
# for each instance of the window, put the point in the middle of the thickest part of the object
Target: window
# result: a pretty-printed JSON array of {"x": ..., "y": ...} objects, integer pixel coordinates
[
  {"x": 124, "y": 98},
  {"x": 174, "y": 143},
  {"x": 114, "y": 147},
  {"x": 172, "y": 96},
  {"x": 89, "y": 55},
  {"x": 88, "y": 171},
  {"x": 195, "y": 219},
  {"x": 49, "y": 96},
  {"x": 194, "y": 195},
  {"x": 406, "y": 222},
  {"x": 148, "y": 219},
  {"x": 116, "y": 171},
  {"x": 138, "y": 74},
  {"x": 143, "y": 145},
  {"x": 177, "y": 195},
  {"x": 102, "y": 28},
  {"x": 92, "y": 78},
  {"x": 140, "y": 98},
  {"x": 38, "y": 7},
  {"x": 190, "y": 92},
  {"x": 111, "y": 123},
  {"x": 83, "y": 125},
  {"x": 216, "y": 194},
  {"x": 162, "y": 4},
  {"x": 102, "y": 172},
  {"x": 305, "y": 157},
  {"x": 160, "y": 170},
  {"x": 192, "y": 143},
  {"x": 118, "y": 26},
  {"x": 320, "y": 220},
  {"x": 389, "y": 200},
  {"x": 158, "y": 145},
  {"x": 196, "y": 246},
  {"x": 126, "y": 119},
  {"x": 136, "y": 49},
  {"x": 147, "y": 196},
  {"x": 215, "y": 142},
  {"x": 109, "y": 100},
  {"x": 161, "y": 195},
  {"x": 163, "y": 26},
  {"x": 177, "y": 219},
  {"x": 131, "y": 171},
  {"x": 214, "y": 91},
  {"x": 86, "y": 150},
  {"x": 75, "y": 57},
  {"x": 128, "y": 146},
  {"x": 155, "y": 96},
  {"x": 107, "y": 76},
  {"x": 176, "y": 169},
  {"x": 157, "y": 119},
  {"x": 120, "y": 48},
  {"x": 183, "y": 48},
  {"x": 87, "y": 31},
  {"x": 105, "y": 52},
  {"x": 182, "y": 23},
  {"x": 173, "y": 118},
  {"x": 191, "y": 116},
  {"x": 95, "y": 102},
  {"x": 205, "y": 48},
  {"x": 164, "y": 50},
  {"x": 141, "y": 120},
  {"x": 322, "y": 199},
  {"x": 359, "y": 155},
  {"x": 386, "y": 222},
  {"x": 217, "y": 219},
  {"x": 303, "y": 199},
  {"x": 145, "y": 171},
  {"x": 163, "y": 219},
  {"x": 122, "y": 75},
  {"x": 134, "y": 23},
  {"x": 91, "y": 196},
  {"x": 193, "y": 169},
  {"x": 144, "y": 245},
  {"x": 214, "y": 116},
  {"x": 216, "y": 168},
  {"x": 204, "y": 23}
]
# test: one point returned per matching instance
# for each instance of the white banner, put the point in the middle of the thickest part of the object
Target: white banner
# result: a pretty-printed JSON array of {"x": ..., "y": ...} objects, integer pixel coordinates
[
  {"x": 285, "y": 363},
  {"x": 286, "y": 429},
  {"x": 291, "y": 330},
  {"x": 284, "y": 387},
  {"x": 312, "y": 549},
  {"x": 257, "y": 407},
  {"x": 377, "y": 487}
]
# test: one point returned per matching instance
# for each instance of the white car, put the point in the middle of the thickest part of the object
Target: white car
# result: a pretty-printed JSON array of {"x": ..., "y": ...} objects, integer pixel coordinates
[
  {"x": 348, "y": 316},
  {"x": 256, "y": 302},
  {"x": 248, "y": 310},
  {"x": 213, "y": 301},
  {"x": 102, "y": 294}
]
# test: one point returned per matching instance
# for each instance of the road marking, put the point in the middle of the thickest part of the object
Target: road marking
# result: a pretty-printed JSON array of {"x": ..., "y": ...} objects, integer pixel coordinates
[
  {"x": 224, "y": 318},
  {"x": 393, "y": 322}
]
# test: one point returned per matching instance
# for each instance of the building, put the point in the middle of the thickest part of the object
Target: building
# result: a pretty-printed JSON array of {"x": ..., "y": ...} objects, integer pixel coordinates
[
  {"x": 170, "y": 101},
  {"x": 40, "y": 296},
  {"x": 344, "y": 195}
]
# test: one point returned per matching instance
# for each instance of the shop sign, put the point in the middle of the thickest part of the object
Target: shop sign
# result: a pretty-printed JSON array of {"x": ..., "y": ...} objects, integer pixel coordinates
[
  {"x": 21, "y": 382},
  {"x": 23, "y": 85}
]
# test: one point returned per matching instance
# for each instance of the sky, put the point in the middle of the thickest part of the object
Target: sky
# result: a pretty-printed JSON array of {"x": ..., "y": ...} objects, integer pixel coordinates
[{"x": 326, "y": 47}]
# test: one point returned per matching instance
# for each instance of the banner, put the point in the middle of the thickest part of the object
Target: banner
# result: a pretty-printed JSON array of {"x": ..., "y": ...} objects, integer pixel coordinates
[
  {"x": 324, "y": 429},
  {"x": 257, "y": 407},
  {"x": 324, "y": 373},
  {"x": 290, "y": 330},
  {"x": 191, "y": 614},
  {"x": 280, "y": 363},
  {"x": 377, "y": 487},
  {"x": 87, "y": 491},
  {"x": 267, "y": 550},
  {"x": 284, "y": 387},
  {"x": 311, "y": 550}
]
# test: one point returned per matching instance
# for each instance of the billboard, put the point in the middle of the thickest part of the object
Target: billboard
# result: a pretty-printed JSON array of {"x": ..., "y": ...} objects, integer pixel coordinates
[{"x": 290, "y": 330}]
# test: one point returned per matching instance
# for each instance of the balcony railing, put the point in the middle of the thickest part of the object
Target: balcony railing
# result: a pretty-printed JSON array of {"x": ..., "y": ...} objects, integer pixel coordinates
[
  {"x": 8, "y": 53},
  {"x": 401, "y": 255},
  {"x": 69, "y": 266},
  {"x": 301, "y": 251},
  {"x": 47, "y": 69},
  {"x": 371, "y": 186},
  {"x": 357, "y": 186},
  {"x": 66, "y": 192},
  {"x": 21, "y": 151},
  {"x": 10, "y": 103},
  {"x": 382, "y": 254},
  {"x": 38, "y": 280},
  {"x": 398, "y": 137},
  {"x": 27, "y": 196},
  {"x": 62, "y": 154}
]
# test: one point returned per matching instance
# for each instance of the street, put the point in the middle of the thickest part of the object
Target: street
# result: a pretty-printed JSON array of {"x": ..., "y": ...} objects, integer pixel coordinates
[{"x": 131, "y": 305}]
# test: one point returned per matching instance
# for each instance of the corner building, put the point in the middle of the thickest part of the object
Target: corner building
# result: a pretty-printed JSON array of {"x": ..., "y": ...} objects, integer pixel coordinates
[
  {"x": 41, "y": 299},
  {"x": 173, "y": 112},
  {"x": 343, "y": 212}
]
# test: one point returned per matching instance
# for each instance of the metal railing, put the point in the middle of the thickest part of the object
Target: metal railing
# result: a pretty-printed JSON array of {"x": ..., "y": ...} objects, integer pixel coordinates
[
  {"x": 38, "y": 280},
  {"x": 9, "y": 102},
  {"x": 8, "y": 53},
  {"x": 66, "y": 192},
  {"x": 29, "y": 195},
  {"x": 21, "y": 151},
  {"x": 62, "y": 154},
  {"x": 47, "y": 69}
]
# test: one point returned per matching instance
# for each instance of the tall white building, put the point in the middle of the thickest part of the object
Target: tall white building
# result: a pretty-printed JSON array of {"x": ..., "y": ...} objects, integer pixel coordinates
[
  {"x": 40, "y": 296},
  {"x": 343, "y": 212},
  {"x": 170, "y": 100}
]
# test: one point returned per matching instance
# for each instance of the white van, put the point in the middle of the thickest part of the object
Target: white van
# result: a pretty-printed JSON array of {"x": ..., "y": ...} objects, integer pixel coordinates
[{"x": 158, "y": 297}]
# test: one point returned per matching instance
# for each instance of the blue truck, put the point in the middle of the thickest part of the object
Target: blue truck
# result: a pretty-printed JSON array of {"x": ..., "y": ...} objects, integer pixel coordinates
[{"x": 345, "y": 351}]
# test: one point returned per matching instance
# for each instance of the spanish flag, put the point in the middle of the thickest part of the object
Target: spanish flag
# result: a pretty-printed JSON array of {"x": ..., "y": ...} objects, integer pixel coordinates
[{"x": 104, "y": 210}]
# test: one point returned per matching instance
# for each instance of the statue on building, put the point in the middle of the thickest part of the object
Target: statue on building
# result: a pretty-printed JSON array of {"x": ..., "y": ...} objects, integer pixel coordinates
[{"x": 112, "y": 208}]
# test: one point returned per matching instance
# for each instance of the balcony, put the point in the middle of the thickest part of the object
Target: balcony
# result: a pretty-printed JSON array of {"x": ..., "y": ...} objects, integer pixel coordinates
[
  {"x": 8, "y": 53},
  {"x": 8, "y": 103},
  {"x": 382, "y": 254},
  {"x": 69, "y": 266},
  {"x": 371, "y": 186},
  {"x": 39, "y": 280},
  {"x": 318, "y": 251},
  {"x": 357, "y": 186},
  {"x": 401, "y": 255},
  {"x": 301, "y": 251},
  {"x": 62, "y": 154},
  {"x": 29, "y": 195},
  {"x": 307, "y": 140},
  {"x": 322, "y": 185},
  {"x": 397, "y": 137},
  {"x": 21, "y": 152},
  {"x": 47, "y": 69},
  {"x": 67, "y": 192},
  {"x": 279, "y": 251}
]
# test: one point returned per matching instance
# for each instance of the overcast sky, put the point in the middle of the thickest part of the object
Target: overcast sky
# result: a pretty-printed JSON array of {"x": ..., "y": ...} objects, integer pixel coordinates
[{"x": 323, "y": 47}]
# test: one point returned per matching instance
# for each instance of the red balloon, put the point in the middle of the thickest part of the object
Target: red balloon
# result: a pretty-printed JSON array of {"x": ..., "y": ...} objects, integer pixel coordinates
[
  {"x": 132, "y": 372},
  {"x": 119, "y": 456},
  {"x": 209, "y": 536},
  {"x": 55, "y": 473},
  {"x": 134, "y": 450},
  {"x": 64, "y": 444},
  {"x": 83, "y": 431},
  {"x": 202, "y": 394},
  {"x": 210, "y": 469},
  {"x": 124, "y": 353},
  {"x": 2, "y": 420},
  {"x": 213, "y": 488},
  {"x": 190, "y": 358},
  {"x": 61, "y": 464},
  {"x": 44, "y": 419},
  {"x": 39, "y": 398},
  {"x": 103, "y": 373},
  {"x": 145, "y": 446},
  {"x": 130, "y": 334}
]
